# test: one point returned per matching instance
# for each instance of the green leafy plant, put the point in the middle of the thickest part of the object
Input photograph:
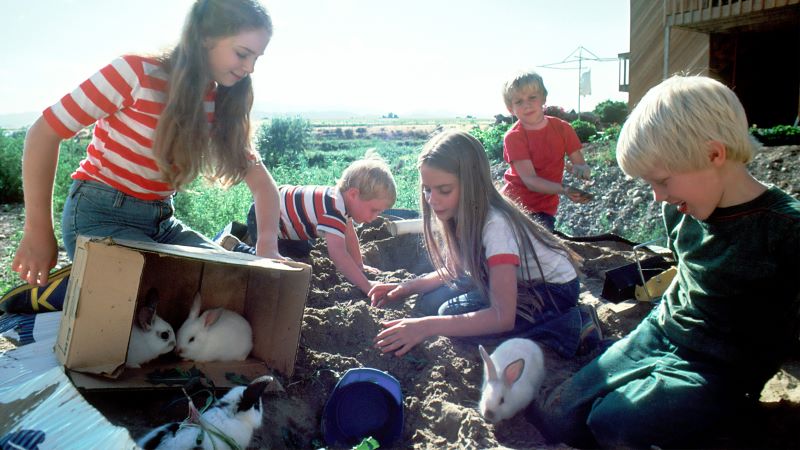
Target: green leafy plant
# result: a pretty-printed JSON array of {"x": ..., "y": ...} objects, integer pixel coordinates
[
  {"x": 492, "y": 139},
  {"x": 585, "y": 130},
  {"x": 611, "y": 112},
  {"x": 283, "y": 140},
  {"x": 11, "y": 167},
  {"x": 777, "y": 135}
]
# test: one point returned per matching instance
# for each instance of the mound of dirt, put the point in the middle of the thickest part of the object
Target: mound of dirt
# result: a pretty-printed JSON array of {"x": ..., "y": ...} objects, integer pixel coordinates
[{"x": 441, "y": 378}]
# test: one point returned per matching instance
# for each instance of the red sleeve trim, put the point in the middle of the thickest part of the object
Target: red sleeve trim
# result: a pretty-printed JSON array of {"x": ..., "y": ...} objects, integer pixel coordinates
[{"x": 503, "y": 258}]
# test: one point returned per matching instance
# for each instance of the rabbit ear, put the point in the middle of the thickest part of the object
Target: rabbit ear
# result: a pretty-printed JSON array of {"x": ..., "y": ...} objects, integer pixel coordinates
[
  {"x": 194, "y": 312},
  {"x": 211, "y": 316},
  {"x": 147, "y": 311},
  {"x": 252, "y": 394},
  {"x": 491, "y": 372},
  {"x": 513, "y": 371},
  {"x": 144, "y": 317}
]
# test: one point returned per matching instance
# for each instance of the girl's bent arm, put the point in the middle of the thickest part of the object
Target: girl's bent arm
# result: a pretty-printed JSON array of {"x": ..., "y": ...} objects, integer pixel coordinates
[
  {"x": 38, "y": 249},
  {"x": 402, "y": 335},
  {"x": 497, "y": 318},
  {"x": 268, "y": 212}
]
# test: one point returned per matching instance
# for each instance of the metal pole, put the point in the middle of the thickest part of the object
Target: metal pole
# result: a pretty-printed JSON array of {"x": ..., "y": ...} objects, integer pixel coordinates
[{"x": 580, "y": 72}]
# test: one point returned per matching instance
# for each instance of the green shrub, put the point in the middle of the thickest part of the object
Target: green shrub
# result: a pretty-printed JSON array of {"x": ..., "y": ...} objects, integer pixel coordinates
[
  {"x": 315, "y": 159},
  {"x": 611, "y": 112},
  {"x": 492, "y": 139},
  {"x": 610, "y": 134},
  {"x": 777, "y": 135},
  {"x": 585, "y": 130},
  {"x": 283, "y": 140},
  {"x": 590, "y": 117},
  {"x": 11, "y": 167}
]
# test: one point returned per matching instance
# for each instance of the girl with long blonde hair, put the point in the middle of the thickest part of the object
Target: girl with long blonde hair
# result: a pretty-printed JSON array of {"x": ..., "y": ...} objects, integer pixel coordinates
[
  {"x": 498, "y": 274},
  {"x": 159, "y": 122}
]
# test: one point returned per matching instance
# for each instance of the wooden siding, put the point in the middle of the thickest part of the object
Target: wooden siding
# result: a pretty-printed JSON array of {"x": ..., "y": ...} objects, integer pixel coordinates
[
  {"x": 688, "y": 50},
  {"x": 753, "y": 46}
]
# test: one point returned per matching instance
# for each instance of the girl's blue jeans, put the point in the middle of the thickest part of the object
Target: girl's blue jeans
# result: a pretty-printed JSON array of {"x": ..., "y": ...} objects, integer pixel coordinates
[
  {"x": 557, "y": 325},
  {"x": 96, "y": 209}
]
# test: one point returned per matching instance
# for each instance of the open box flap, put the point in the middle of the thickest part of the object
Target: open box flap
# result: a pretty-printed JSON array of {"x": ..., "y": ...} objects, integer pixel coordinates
[
  {"x": 219, "y": 256},
  {"x": 103, "y": 289}
]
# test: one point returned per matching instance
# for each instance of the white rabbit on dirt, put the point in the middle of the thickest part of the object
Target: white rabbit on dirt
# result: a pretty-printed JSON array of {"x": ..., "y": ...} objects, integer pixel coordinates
[
  {"x": 230, "y": 420},
  {"x": 151, "y": 335},
  {"x": 512, "y": 377},
  {"x": 216, "y": 335}
]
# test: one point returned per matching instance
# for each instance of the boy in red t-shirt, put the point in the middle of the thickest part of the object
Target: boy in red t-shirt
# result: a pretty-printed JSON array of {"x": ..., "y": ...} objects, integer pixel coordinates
[{"x": 535, "y": 148}]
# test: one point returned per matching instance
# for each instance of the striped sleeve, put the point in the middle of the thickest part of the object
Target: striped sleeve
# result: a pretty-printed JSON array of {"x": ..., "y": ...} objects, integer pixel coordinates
[
  {"x": 104, "y": 93},
  {"x": 332, "y": 218},
  {"x": 309, "y": 211}
]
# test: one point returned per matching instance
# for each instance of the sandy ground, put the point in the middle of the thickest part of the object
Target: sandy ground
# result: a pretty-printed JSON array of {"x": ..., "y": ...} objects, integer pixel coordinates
[{"x": 440, "y": 378}]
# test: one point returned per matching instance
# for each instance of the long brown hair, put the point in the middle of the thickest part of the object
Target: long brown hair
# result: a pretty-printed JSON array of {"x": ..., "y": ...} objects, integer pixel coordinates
[
  {"x": 455, "y": 247},
  {"x": 184, "y": 146}
]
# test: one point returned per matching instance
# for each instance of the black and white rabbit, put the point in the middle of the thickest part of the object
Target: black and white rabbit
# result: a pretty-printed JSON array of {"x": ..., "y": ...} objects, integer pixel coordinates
[
  {"x": 512, "y": 377},
  {"x": 151, "y": 335},
  {"x": 216, "y": 335},
  {"x": 231, "y": 419}
]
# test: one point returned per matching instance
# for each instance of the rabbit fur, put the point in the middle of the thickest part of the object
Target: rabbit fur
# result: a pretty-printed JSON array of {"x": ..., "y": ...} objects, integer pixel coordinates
[
  {"x": 512, "y": 377},
  {"x": 236, "y": 415},
  {"x": 151, "y": 335},
  {"x": 216, "y": 335}
]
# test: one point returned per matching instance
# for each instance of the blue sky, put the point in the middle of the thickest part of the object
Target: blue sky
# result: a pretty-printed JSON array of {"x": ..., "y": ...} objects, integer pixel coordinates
[{"x": 411, "y": 57}]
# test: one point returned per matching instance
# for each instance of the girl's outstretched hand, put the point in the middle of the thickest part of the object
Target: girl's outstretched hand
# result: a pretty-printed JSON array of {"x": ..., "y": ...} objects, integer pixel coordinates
[
  {"x": 400, "y": 336},
  {"x": 382, "y": 293}
]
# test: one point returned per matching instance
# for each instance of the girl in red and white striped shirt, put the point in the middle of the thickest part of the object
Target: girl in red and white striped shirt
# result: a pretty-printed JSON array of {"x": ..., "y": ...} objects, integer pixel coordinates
[{"x": 159, "y": 122}]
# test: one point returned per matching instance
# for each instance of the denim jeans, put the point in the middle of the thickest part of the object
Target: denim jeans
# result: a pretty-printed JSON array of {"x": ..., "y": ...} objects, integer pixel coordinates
[
  {"x": 286, "y": 247},
  {"x": 546, "y": 220},
  {"x": 557, "y": 325},
  {"x": 96, "y": 209}
]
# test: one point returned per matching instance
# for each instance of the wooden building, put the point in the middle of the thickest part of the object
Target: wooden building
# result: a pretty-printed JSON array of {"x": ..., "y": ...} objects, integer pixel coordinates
[{"x": 753, "y": 46}]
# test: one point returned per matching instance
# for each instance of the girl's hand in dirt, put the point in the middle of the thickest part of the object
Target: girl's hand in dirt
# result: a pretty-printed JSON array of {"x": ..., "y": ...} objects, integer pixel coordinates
[
  {"x": 371, "y": 270},
  {"x": 400, "y": 336},
  {"x": 382, "y": 293}
]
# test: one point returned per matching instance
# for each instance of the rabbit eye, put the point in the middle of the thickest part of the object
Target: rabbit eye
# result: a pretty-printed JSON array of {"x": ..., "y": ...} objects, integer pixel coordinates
[
  {"x": 165, "y": 335},
  {"x": 191, "y": 339},
  {"x": 502, "y": 399}
]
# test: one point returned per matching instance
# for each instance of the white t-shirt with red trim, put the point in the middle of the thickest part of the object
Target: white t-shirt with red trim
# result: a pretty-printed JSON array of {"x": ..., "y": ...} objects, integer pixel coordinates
[
  {"x": 124, "y": 100},
  {"x": 502, "y": 248}
]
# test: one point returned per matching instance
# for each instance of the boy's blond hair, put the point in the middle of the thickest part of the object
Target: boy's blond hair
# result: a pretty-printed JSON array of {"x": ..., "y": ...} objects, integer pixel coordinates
[
  {"x": 520, "y": 82},
  {"x": 371, "y": 176},
  {"x": 671, "y": 127}
]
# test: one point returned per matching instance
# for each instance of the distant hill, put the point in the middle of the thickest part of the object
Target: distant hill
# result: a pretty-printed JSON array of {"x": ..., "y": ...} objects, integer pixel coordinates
[{"x": 18, "y": 120}]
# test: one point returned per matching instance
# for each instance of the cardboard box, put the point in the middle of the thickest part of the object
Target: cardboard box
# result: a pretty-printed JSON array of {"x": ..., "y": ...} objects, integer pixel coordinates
[{"x": 110, "y": 276}]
